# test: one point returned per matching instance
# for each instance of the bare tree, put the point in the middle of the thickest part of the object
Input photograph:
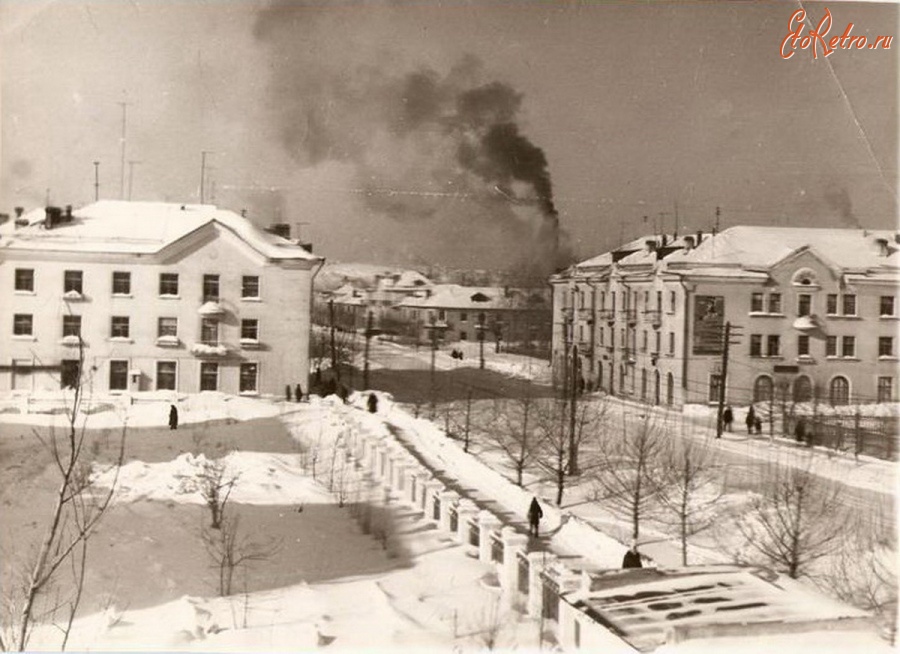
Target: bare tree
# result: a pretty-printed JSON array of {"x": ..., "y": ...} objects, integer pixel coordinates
[
  {"x": 514, "y": 431},
  {"x": 798, "y": 519},
  {"x": 864, "y": 572},
  {"x": 691, "y": 492},
  {"x": 215, "y": 482},
  {"x": 79, "y": 505},
  {"x": 230, "y": 549},
  {"x": 630, "y": 471}
]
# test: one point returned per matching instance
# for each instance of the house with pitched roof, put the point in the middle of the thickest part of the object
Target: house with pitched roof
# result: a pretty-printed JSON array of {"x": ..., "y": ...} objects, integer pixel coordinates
[
  {"x": 812, "y": 313},
  {"x": 157, "y": 296}
]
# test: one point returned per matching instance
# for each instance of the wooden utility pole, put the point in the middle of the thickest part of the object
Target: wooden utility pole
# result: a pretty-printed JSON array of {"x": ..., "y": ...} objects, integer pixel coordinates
[
  {"x": 572, "y": 465},
  {"x": 334, "y": 366},
  {"x": 96, "y": 181},
  {"x": 368, "y": 336},
  {"x": 722, "y": 379}
]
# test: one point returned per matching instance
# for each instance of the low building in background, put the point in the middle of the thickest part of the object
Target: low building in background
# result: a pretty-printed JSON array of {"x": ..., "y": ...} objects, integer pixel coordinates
[
  {"x": 162, "y": 296},
  {"x": 813, "y": 316}
]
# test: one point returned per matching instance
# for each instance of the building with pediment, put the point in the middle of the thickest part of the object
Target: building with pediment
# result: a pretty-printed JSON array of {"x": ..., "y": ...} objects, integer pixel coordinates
[
  {"x": 813, "y": 314},
  {"x": 162, "y": 296}
]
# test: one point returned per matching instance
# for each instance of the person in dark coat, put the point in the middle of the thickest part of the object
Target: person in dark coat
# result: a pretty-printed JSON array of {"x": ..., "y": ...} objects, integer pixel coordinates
[
  {"x": 173, "y": 417},
  {"x": 800, "y": 430},
  {"x": 632, "y": 558},
  {"x": 298, "y": 393},
  {"x": 757, "y": 422},
  {"x": 535, "y": 513},
  {"x": 751, "y": 419},
  {"x": 372, "y": 403},
  {"x": 727, "y": 418},
  {"x": 287, "y": 392}
]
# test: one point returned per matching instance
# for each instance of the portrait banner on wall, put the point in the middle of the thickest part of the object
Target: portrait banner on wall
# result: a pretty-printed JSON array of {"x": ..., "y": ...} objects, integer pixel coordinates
[{"x": 709, "y": 318}]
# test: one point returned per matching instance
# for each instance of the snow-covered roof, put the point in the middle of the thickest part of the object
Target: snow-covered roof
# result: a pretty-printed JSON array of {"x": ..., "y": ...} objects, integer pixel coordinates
[
  {"x": 114, "y": 226},
  {"x": 645, "y": 605},
  {"x": 764, "y": 247},
  {"x": 475, "y": 298}
]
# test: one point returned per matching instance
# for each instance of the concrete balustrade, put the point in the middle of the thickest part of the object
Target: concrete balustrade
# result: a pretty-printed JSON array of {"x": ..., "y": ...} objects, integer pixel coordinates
[
  {"x": 513, "y": 544},
  {"x": 449, "y": 499},
  {"x": 537, "y": 563},
  {"x": 487, "y": 524},
  {"x": 432, "y": 487},
  {"x": 466, "y": 511}
]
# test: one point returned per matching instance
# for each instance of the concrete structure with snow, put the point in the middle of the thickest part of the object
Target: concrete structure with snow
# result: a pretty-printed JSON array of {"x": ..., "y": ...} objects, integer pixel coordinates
[
  {"x": 814, "y": 313},
  {"x": 163, "y": 296}
]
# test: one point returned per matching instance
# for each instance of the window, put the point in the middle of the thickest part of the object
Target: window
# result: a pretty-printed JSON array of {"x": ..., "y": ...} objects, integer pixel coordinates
[
  {"x": 600, "y": 332},
  {"x": 23, "y": 323},
  {"x": 643, "y": 384},
  {"x": 250, "y": 329},
  {"x": 715, "y": 382},
  {"x": 831, "y": 346},
  {"x": 623, "y": 340},
  {"x": 670, "y": 389},
  {"x": 886, "y": 308},
  {"x": 248, "y": 377},
  {"x": 885, "y": 346},
  {"x": 25, "y": 280},
  {"x": 602, "y": 299},
  {"x": 209, "y": 331},
  {"x": 849, "y": 302},
  {"x": 885, "y": 389},
  {"x": 167, "y": 327},
  {"x": 848, "y": 346},
  {"x": 658, "y": 304},
  {"x": 71, "y": 326},
  {"x": 250, "y": 286},
  {"x": 644, "y": 341},
  {"x": 773, "y": 345},
  {"x": 762, "y": 389},
  {"x": 72, "y": 281},
  {"x": 658, "y": 347},
  {"x": 756, "y": 345},
  {"x": 168, "y": 283},
  {"x": 804, "y": 304},
  {"x": 756, "y": 302},
  {"x": 166, "y": 374},
  {"x": 210, "y": 288},
  {"x": 839, "y": 392},
  {"x": 463, "y": 336},
  {"x": 803, "y": 345},
  {"x": 118, "y": 375},
  {"x": 673, "y": 298},
  {"x": 463, "y": 316},
  {"x": 209, "y": 376},
  {"x": 802, "y": 389},
  {"x": 671, "y": 342},
  {"x": 774, "y": 302},
  {"x": 121, "y": 283},
  {"x": 120, "y": 327},
  {"x": 442, "y": 314},
  {"x": 612, "y": 300},
  {"x": 831, "y": 304}
]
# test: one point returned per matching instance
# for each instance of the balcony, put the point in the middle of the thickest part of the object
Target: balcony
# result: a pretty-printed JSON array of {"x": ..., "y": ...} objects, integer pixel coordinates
[
  {"x": 73, "y": 296},
  {"x": 168, "y": 340},
  {"x": 608, "y": 315},
  {"x": 630, "y": 316},
  {"x": 567, "y": 312},
  {"x": 584, "y": 347},
  {"x": 211, "y": 310},
  {"x": 211, "y": 349},
  {"x": 585, "y": 313},
  {"x": 628, "y": 355},
  {"x": 654, "y": 317},
  {"x": 250, "y": 344}
]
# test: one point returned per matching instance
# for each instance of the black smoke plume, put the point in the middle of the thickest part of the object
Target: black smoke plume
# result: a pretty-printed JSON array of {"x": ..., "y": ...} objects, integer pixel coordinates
[{"x": 424, "y": 145}]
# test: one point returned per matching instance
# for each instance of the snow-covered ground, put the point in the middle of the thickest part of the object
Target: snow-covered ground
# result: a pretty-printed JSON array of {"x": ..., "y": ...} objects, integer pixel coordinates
[{"x": 444, "y": 599}]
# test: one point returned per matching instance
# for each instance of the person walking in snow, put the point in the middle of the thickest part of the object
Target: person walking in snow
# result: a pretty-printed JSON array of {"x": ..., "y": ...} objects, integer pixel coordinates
[
  {"x": 751, "y": 419},
  {"x": 173, "y": 417},
  {"x": 535, "y": 513},
  {"x": 298, "y": 393},
  {"x": 372, "y": 403},
  {"x": 727, "y": 418},
  {"x": 632, "y": 558}
]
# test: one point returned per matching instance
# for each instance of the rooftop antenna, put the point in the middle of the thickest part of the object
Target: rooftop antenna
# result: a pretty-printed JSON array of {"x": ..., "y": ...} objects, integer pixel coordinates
[
  {"x": 675, "y": 233},
  {"x": 131, "y": 165},
  {"x": 718, "y": 215},
  {"x": 96, "y": 181},
  {"x": 124, "y": 106},
  {"x": 203, "y": 175}
]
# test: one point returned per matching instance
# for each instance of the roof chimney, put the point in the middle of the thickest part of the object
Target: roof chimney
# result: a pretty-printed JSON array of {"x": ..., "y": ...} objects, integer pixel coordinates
[
  {"x": 699, "y": 237},
  {"x": 884, "y": 249},
  {"x": 688, "y": 243},
  {"x": 19, "y": 211},
  {"x": 651, "y": 244}
]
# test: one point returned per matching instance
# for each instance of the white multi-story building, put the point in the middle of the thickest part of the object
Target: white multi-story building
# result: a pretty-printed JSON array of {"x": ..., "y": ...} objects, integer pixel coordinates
[
  {"x": 162, "y": 297},
  {"x": 813, "y": 313}
]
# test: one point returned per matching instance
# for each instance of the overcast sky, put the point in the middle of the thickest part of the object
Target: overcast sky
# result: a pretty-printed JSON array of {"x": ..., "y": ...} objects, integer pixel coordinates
[{"x": 374, "y": 124}]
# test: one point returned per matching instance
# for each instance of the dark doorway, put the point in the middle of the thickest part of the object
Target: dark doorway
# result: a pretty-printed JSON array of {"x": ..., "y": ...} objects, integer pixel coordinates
[{"x": 69, "y": 376}]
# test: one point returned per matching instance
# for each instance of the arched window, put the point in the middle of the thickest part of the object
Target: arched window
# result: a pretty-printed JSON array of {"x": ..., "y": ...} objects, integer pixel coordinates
[
  {"x": 839, "y": 392},
  {"x": 656, "y": 387},
  {"x": 802, "y": 389},
  {"x": 643, "y": 384},
  {"x": 670, "y": 389},
  {"x": 762, "y": 389}
]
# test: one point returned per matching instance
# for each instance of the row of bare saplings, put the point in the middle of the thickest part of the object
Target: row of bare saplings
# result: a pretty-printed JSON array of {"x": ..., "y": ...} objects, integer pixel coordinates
[{"x": 657, "y": 473}]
